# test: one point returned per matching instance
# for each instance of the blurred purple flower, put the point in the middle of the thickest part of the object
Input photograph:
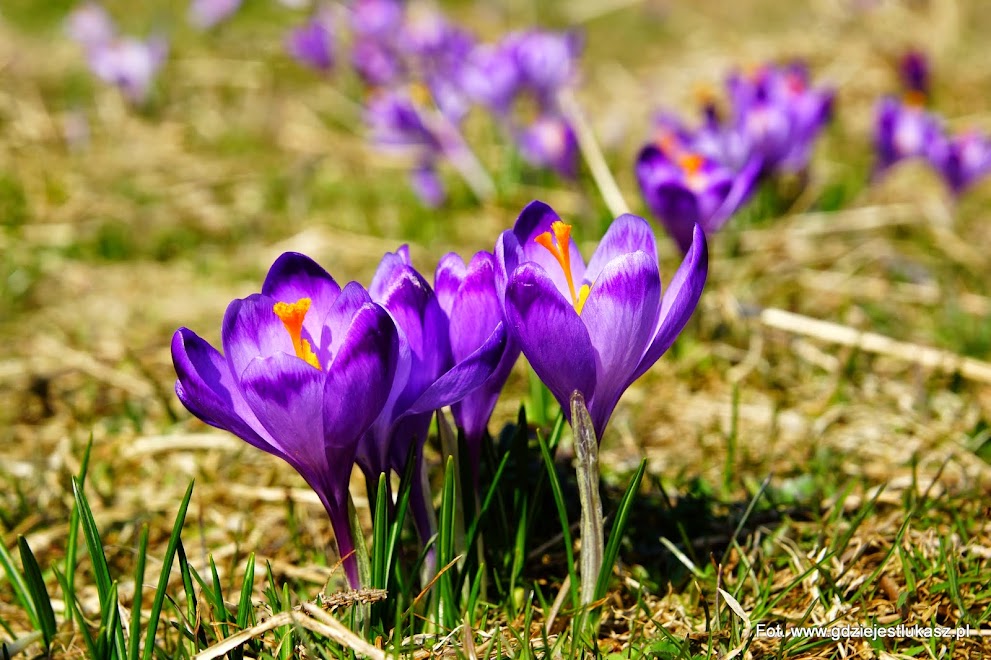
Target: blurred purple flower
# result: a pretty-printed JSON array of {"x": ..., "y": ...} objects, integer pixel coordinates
[
  {"x": 312, "y": 43},
  {"x": 472, "y": 301},
  {"x": 206, "y": 14},
  {"x": 913, "y": 69},
  {"x": 905, "y": 130},
  {"x": 396, "y": 121},
  {"x": 547, "y": 61},
  {"x": 686, "y": 190},
  {"x": 427, "y": 185},
  {"x": 307, "y": 368},
  {"x": 130, "y": 64},
  {"x": 779, "y": 115},
  {"x": 594, "y": 328},
  {"x": 90, "y": 25},
  {"x": 490, "y": 77},
  {"x": 375, "y": 62},
  {"x": 550, "y": 142},
  {"x": 965, "y": 159},
  {"x": 429, "y": 378},
  {"x": 376, "y": 18}
]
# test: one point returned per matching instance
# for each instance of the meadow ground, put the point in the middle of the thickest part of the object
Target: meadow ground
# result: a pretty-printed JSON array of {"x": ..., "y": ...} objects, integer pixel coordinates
[{"x": 820, "y": 475}]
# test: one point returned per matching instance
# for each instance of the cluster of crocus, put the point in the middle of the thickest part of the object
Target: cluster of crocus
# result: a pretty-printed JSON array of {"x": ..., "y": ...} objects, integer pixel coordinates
[
  {"x": 129, "y": 63},
  {"x": 704, "y": 175},
  {"x": 327, "y": 377},
  {"x": 438, "y": 71},
  {"x": 905, "y": 129}
]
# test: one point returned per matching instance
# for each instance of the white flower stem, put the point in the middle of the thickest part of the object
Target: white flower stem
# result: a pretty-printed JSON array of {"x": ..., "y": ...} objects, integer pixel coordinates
[
  {"x": 592, "y": 154},
  {"x": 587, "y": 451}
]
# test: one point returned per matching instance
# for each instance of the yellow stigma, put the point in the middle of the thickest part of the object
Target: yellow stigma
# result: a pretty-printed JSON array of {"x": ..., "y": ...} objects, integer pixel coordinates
[
  {"x": 582, "y": 297},
  {"x": 562, "y": 252},
  {"x": 292, "y": 315}
]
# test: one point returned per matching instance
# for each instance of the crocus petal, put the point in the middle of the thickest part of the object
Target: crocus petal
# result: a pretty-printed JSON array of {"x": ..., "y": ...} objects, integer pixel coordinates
[
  {"x": 628, "y": 233},
  {"x": 414, "y": 307},
  {"x": 621, "y": 315},
  {"x": 252, "y": 329},
  {"x": 207, "y": 389},
  {"x": 465, "y": 377},
  {"x": 341, "y": 315},
  {"x": 286, "y": 394},
  {"x": 294, "y": 276},
  {"x": 679, "y": 301},
  {"x": 475, "y": 309},
  {"x": 535, "y": 219},
  {"x": 361, "y": 375},
  {"x": 667, "y": 195},
  {"x": 743, "y": 186},
  {"x": 450, "y": 273},
  {"x": 550, "y": 333}
]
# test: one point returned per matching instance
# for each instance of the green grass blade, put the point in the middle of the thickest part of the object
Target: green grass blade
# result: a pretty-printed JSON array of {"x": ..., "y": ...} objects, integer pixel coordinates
[
  {"x": 187, "y": 584},
  {"x": 101, "y": 570},
  {"x": 562, "y": 514},
  {"x": 134, "y": 640},
  {"x": 163, "y": 580},
  {"x": 109, "y": 626},
  {"x": 380, "y": 534},
  {"x": 448, "y": 606},
  {"x": 39, "y": 594},
  {"x": 402, "y": 506},
  {"x": 72, "y": 542},
  {"x": 617, "y": 531},
  {"x": 19, "y": 585},
  {"x": 219, "y": 607},
  {"x": 73, "y": 613},
  {"x": 244, "y": 608}
]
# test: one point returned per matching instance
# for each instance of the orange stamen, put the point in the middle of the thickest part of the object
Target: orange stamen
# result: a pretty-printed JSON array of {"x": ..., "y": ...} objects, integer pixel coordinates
[
  {"x": 292, "y": 315},
  {"x": 561, "y": 252},
  {"x": 691, "y": 163},
  {"x": 915, "y": 98}
]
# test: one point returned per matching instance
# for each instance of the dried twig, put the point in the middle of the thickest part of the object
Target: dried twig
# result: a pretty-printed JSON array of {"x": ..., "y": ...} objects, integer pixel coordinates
[{"x": 872, "y": 342}]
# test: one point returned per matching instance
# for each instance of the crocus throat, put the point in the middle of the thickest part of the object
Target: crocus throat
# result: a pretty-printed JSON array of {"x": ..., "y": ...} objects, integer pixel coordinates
[
  {"x": 292, "y": 315},
  {"x": 691, "y": 164},
  {"x": 562, "y": 253},
  {"x": 915, "y": 98}
]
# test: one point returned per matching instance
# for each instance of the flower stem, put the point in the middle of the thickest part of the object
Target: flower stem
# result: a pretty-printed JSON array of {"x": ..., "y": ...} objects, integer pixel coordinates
[
  {"x": 587, "y": 450},
  {"x": 592, "y": 154}
]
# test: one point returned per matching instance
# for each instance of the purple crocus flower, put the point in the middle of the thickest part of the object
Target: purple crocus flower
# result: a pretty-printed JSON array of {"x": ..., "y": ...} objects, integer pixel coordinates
[
  {"x": 906, "y": 130},
  {"x": 90, "y": 25},
  {"x": 594, "y": 328},
  {"x": 313, "y": 42},
  {"x": 427, "y": 184},
  {"x": 779, "y": 114},
  {"x": 130, "y": 64},
  {"x": 913, "y": 69},
  {"x": 965, "y": 159},
  {"x": 396, "y": 121},
  {"x": 378, "y": 19},
  {"x": 472, "y": 302},
  {"x": 687, "y": 189},
  {"x": 547, "y": 61},
  {"x": 490, "y": 76},
  {"x": 550, "y": 142},
  {"x": 206, "y": 14},
  {"x": 307, "y": 367},
  {"x": 376, "y": 62},
  {"x": 428, "y": 378}
]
